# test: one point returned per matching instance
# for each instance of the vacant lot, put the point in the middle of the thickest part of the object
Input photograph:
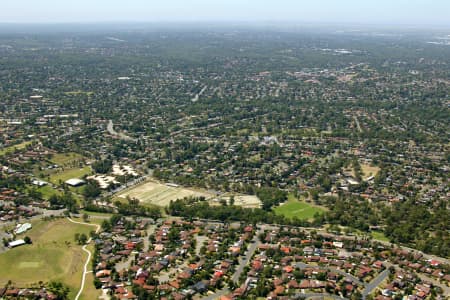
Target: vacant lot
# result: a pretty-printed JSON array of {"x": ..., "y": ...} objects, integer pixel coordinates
[
  {"x": 369, "y": 170},
  {"x": 160, "y": 194},
  {"x": 300, "y": 209},
  {"x": 52, "y": 256},
  {"x": 248, "y": 201}
]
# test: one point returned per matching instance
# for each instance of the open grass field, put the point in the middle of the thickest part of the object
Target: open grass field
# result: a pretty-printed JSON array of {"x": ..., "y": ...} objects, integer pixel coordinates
[
  {"x": 69, "y": 173},
  {"x": 300, "y": 209},
  {"x": 48, "y": 191},
  {"x": 90, "y": 292},
  {"x": 378, "y": 235},
  {"x": 11, "y": 148},
  {"x": 65, "y": 158},
  {"x": 52, "y": 256},
  {"x": 93, "y": 219},
  {"x": 160, "y": 194},
  {"x": 97, "y": 215}
]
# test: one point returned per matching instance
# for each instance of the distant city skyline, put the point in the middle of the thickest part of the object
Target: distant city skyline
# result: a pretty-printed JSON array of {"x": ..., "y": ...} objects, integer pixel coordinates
[{"x": 389, "y": 12}]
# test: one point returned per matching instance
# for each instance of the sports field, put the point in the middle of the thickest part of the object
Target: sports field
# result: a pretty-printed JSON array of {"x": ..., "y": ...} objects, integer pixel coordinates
[
  {"x": 53, "y": 256},
  {"x": 160, "y": 194},
  {"x": 300, "y": 209}
]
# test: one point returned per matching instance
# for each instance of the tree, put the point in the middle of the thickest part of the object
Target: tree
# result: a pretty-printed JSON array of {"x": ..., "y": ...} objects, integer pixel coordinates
[
  {"x": 77, "y": 237},
  {"x": 102, "y": 166},
  {"x": 85, "y": 217},
  {"x": 27, "y": 240},
  {"x": 83, "y": 239},
  {"x": 91, "y": 190},
  {"x": 58, "y": 289}
]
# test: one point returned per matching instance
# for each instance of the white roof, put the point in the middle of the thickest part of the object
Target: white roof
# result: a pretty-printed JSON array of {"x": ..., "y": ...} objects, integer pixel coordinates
[
  {"x": 22, "y": 228},
  {"x": 39, "y": 182},
  {"x": 17, "y": 243},
  {"x": 74, "y": 181}
]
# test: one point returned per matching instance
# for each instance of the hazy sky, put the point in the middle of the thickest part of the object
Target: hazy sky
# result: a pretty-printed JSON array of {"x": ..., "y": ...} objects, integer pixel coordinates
[{"x": 409, "y": 12}]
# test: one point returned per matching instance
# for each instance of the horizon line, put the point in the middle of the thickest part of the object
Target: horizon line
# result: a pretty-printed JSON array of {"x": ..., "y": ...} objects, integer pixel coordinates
[{"x": 229, "y": 22}]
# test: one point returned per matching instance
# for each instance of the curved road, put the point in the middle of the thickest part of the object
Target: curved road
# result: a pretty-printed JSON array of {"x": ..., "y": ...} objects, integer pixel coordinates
[{"x": 83, "y": 279}]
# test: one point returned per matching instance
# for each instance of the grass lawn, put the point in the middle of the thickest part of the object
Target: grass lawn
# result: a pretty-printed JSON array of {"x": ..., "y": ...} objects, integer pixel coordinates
[
  {"x": 65, "y": 158},
  {"x": 11, "y": 148},
  {"x": 378, "y": 235},
  {"x": 300, "y": 209},
  {"x": 100, "y": 216},
  {"x": 52, "y": 256},
  {"x": 69, "y": 173},
  {"x": 96, "y": 214},
  {"x": 91, "y": 220},
  {"x": 48, "y": 191},
  {"x": 89, "y": 291}
]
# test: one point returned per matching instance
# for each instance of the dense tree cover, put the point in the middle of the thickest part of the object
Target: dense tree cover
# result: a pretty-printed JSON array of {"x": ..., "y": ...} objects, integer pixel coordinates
[
  {"x": 352, "y": 212},
  {"x": 66, "y": 200},
  {"x": 132, "y": 207},
  {"x": 11, "y": 182},
  {"x": 199, "y": 208},
  {"x": 96, "y": 208},
  {"x": 58, "y": 289},
  {"x": 102, "y": 166},
  {"x": 407, "y": 223},
  {"x": 420, "y": 227},
  {"x": 271, "y": 197},
  {"x": 91, "y": 189}
]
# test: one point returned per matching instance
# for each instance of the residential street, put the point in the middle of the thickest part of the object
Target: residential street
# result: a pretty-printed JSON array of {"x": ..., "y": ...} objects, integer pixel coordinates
[
  {"x": 243, "y": 262},
  {"x": 346, "y": 275},
  {"x": 375, "y": 283}
]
